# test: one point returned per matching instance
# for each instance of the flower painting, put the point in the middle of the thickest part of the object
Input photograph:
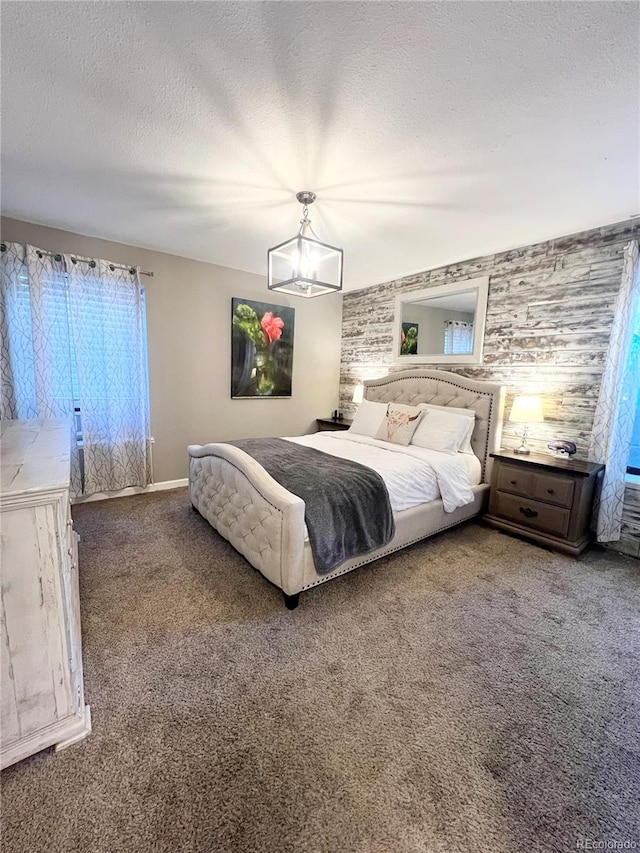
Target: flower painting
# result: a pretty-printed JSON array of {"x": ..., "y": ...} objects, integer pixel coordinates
[
  {"x": 261, "y": 349},
  {"x": 409, "y": 339}
]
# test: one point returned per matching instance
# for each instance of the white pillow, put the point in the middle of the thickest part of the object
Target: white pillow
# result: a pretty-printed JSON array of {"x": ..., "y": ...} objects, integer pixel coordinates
[
  {"x": 400, "y": 423},
  {"x": 443, "y": 430},
  {"x": 368, "y": 418},
  {"x": 465, "y": 413}
]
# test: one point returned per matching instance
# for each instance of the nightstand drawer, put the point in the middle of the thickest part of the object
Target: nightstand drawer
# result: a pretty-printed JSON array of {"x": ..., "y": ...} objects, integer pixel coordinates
[
  {"x": 512, "y": 479},
  {"x": 552, "y": 489},
  {"x": 531, "y": 514}
]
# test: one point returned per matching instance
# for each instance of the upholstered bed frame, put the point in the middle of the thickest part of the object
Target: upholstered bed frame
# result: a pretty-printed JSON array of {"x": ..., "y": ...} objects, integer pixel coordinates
[{"x": 265, "y": 522}]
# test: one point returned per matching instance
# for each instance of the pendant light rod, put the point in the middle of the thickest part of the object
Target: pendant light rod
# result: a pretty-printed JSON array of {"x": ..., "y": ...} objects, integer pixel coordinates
[{"x": 306, "y": 197}]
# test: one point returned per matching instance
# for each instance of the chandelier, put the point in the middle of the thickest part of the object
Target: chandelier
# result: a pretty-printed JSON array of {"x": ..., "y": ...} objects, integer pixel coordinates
[{"x": 303, "y": 265}]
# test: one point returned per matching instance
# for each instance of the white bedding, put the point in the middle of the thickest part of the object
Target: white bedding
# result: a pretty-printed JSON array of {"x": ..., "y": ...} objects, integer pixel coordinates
[{"x": 412, "y": 475}]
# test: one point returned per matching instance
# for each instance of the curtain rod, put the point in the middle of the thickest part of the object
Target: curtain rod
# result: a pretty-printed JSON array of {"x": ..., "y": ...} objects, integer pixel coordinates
[{"x": 58, "y": 257}]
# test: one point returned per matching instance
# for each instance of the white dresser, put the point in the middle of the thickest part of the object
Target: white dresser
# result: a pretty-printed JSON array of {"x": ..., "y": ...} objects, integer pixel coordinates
[{"x": 42, "y": 697}]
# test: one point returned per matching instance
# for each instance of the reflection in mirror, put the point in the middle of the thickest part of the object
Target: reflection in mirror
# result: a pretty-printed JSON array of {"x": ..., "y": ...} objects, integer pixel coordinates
[{"x": 443, "y": 324}]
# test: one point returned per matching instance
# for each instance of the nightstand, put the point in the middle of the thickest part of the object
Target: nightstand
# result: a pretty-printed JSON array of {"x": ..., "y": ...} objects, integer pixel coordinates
[
  {"x": 324, "y": 424},
  {"x": 546, "y": 499}
]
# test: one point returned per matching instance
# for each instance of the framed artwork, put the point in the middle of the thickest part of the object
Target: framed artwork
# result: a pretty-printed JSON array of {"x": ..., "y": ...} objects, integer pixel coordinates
[
  {"x": 409, "y": 339},
  {"x": 261, "y": 349}
]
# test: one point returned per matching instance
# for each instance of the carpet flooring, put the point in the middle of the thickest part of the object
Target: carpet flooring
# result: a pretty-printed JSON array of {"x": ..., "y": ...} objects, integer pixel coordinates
[{"x": 471, "y": 693}]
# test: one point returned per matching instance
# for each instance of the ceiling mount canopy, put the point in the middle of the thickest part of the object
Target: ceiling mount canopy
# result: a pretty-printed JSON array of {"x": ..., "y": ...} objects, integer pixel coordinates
[
  {"x": 303, "y": 265},
  {"x": 306, "y": 197}
]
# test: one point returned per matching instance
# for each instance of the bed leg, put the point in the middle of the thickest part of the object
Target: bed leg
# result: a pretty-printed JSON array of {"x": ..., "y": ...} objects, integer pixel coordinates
[
  {"x": 291, "y": 601},
  {"x": 195, "y": 509}
]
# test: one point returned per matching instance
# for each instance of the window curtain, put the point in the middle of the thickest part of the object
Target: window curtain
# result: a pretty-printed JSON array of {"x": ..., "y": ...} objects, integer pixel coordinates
[
  {"x": 458, "y": 337},
  {"x": 616, "y": 407},
  {"x": 36, "y": 354},
  {"x": 74, "y": 337},
  {"x": 107, "y": 319}
]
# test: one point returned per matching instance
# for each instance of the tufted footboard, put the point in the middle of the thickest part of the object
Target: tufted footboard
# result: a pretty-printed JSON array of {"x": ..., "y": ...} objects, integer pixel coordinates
[{"x": 259, "y": 517}]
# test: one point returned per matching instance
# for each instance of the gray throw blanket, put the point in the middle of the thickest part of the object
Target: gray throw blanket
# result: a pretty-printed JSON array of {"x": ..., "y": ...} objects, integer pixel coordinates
[{"x": 347, "y": 507}]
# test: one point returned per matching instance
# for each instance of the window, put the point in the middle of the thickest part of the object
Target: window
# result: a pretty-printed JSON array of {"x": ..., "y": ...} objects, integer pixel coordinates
[
  {"x": 634, "y": 454},
  {"x": 633, "y": 464},
  {"x": 74, "y": 346},
  {"x": 41, "y": 322},
  {"x": 458, "y": 337},
  {"x": 60, "y": 354}
]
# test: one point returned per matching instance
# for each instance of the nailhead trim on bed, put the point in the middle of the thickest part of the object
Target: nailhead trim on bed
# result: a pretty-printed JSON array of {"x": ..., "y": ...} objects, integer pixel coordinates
[{"x": 384, "y": 554}]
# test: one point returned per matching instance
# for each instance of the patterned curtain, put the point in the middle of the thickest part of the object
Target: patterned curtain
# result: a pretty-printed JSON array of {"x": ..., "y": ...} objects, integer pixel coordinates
[
  {"x": 74, "y": 346},
  {"x": 109, "y": 339},
  {"x": 616, "y": 408},
  {"x": 36, "y": 355},
  {"x": 458, "y": 337}
]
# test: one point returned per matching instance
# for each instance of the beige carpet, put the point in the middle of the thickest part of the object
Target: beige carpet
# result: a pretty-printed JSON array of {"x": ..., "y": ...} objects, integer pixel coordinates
[{"x": 472, "y": 693}]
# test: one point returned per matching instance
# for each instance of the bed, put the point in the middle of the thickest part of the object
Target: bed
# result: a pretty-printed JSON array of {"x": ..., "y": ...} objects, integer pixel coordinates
[{"x": 265, "y": 522}]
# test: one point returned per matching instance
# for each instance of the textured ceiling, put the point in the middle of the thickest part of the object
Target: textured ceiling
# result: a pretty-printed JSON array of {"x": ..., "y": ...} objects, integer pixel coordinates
[{"x": 431, "y": 132}]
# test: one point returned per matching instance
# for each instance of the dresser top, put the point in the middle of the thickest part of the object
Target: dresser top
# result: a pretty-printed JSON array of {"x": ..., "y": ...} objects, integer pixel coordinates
[
  {"x": 34, "y": 455},
  {"x": 579, "y": 467}
]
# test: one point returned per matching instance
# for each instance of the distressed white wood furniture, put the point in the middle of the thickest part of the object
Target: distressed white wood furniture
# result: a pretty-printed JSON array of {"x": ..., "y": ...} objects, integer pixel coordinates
[{"x": 42, "y": 700}]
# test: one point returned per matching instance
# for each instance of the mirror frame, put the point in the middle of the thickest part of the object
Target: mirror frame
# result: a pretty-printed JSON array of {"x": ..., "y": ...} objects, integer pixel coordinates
[{"x": 481, "y": 285}]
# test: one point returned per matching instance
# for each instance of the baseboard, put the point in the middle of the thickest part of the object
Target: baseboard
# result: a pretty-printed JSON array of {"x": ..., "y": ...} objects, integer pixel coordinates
[{"x": 131, "y": 490}]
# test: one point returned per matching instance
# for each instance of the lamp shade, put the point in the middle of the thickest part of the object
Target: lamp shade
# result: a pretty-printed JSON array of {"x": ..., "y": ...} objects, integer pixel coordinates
[
  {"x": 358, "y": 394},
  {"x": 526, "y": 409}
]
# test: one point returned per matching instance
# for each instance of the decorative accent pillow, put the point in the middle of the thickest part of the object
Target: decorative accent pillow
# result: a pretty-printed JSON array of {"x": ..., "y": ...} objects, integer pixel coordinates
[
  {"x": 469, "y": 414},
  {"x": 442, "y": 430},
  {"x": 399, "y": 424},
  {"x": 368, "y": 418}
]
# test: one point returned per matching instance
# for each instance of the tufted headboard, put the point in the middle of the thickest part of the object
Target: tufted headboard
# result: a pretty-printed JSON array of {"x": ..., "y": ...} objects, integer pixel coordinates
[{"x": 442, "y": 388}]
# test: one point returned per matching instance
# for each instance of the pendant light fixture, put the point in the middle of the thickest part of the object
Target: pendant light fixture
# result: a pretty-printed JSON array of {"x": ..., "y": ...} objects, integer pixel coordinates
[{"x": 303, "y": 265}]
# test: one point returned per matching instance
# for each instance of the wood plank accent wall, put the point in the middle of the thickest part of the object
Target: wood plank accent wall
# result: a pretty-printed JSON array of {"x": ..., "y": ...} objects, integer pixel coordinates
[{"x": 549, "y": 315}]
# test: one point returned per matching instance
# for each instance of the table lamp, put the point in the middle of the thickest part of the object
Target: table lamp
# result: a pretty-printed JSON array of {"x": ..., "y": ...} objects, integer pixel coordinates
[
  {"x": 358, "y": 394},
  {"x": 526, "y": 409}
]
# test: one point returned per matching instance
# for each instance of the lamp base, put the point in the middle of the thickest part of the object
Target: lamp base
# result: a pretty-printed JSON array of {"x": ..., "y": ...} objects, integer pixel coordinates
[{"x": 523, "y": 450}]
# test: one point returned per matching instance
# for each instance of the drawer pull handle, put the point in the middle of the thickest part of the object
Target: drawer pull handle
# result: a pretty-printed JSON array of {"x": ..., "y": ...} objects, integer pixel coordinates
[{"x": 528, "y": 512}]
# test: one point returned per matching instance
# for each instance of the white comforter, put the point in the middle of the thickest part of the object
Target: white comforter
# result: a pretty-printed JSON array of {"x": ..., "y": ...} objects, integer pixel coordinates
[{"x": 412, "y": 475}]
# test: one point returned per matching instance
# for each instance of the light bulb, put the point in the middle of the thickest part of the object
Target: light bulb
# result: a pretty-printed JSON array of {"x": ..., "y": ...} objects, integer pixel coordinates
[
  {"x": 313, "y": 263},
  {"x": 304, "y": 265}
]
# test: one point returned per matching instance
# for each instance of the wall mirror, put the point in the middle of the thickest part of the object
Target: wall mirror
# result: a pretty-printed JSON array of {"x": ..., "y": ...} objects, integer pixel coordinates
[{"x": 441, "y": 325}]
